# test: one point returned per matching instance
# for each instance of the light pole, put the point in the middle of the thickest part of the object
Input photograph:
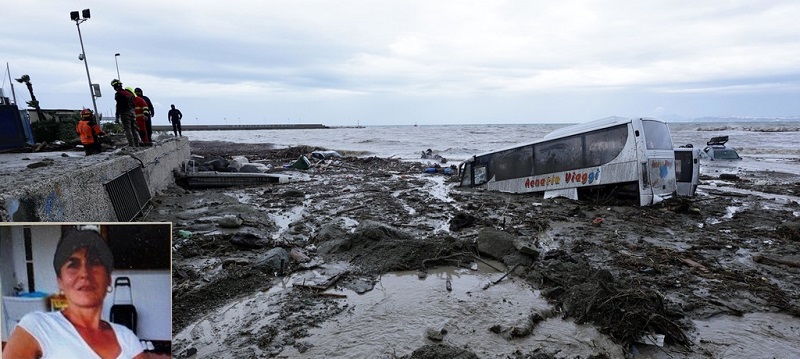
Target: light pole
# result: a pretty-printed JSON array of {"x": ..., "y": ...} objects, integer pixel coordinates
[
  {"x": 115, "y": 63},
  {"x": 76, "y": 16}
]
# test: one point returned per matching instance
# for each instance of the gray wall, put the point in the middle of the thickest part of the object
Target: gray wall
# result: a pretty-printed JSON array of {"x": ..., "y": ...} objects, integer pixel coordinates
[{"x": 72, "y": 191}]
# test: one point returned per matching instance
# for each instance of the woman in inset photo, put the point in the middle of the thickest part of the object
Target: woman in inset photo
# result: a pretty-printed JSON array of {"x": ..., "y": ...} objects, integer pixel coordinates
[{"x": 83, "y": 263}]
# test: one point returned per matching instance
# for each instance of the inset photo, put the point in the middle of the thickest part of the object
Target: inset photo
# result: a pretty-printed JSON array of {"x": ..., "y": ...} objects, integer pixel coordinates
[{"x": 86, "y": 290}]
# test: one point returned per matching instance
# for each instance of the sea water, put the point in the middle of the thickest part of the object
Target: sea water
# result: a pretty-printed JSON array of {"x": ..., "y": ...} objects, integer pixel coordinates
[{"x": 459, "y": 142}]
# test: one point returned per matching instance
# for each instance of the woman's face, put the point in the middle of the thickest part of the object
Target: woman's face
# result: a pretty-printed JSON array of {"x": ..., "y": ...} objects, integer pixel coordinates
[{"x": 84, "y": 279}]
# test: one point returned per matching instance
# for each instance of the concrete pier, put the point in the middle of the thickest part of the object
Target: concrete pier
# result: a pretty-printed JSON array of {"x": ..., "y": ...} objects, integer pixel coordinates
[
  {"x": 72, "y": 187},
  {"x": 187, "y": 127}
]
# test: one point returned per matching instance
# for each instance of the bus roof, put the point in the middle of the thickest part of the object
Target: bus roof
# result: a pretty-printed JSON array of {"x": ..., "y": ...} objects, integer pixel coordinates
[{"x": 590, "y": 126}]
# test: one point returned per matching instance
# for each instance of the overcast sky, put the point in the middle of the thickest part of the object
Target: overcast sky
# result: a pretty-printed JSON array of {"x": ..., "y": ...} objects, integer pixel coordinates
[{"x": 348, "y": 62}]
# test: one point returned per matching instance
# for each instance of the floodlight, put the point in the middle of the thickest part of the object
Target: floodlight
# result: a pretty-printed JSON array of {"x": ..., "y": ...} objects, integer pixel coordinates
[
  {"x": 86, "y": 14},
  {"x": 74, "y": 16}
]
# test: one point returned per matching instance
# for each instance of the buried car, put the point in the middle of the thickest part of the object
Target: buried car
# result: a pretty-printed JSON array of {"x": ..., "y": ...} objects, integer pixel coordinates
[{"x": 716, "y": 150}]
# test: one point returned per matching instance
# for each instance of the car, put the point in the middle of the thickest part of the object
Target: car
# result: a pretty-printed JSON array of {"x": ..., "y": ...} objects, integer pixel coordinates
[{"x": 715, "y": 150}]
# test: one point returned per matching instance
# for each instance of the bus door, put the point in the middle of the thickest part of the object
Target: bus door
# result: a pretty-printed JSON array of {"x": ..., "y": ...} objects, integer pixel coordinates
[
  {"x": 656, "y": 160},
  {"x": 687, "y": 170}
]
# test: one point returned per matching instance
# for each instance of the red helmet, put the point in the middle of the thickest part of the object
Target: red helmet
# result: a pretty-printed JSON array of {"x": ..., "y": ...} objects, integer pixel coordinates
[{"x": 86, "y": 113}]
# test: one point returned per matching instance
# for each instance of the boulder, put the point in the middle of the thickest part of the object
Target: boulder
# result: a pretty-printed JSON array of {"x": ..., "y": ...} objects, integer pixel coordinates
[
  {"x": 249, "y": 240},
  {"x": 495, "y": 244},
  {"x": 376, "y": 231},
  {"x": 230, "y": 221},
  {"x": 439, "y": 350},
  {"x": 274, "y": 260},
  {"x": 332, "y": 239}
]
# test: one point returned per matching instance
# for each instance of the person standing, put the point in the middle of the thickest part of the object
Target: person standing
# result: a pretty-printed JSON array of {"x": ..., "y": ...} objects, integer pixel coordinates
[
  {"x": 125, "y": 113},
  {"x": 89, "y": 131},
  {"x": 141, "y": 111},
  {"x": 149, "y": 119},
  {"x": 175, "y": 117}
]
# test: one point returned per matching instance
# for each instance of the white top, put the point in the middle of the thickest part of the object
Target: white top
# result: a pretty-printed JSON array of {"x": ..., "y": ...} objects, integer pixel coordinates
[{"x": 59, "y": 339}]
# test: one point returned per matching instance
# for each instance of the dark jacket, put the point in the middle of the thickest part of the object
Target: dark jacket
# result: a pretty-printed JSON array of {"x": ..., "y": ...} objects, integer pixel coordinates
[
  {"x": 124, "y": 101},
  {"x": 174, "y": 115},
  {"x": 149, "y": 105}
]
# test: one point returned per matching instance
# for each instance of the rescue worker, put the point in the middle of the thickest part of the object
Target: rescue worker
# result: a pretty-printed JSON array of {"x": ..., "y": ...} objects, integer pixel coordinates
[
  {"x": 142, "y": 113},
  {"x": 149, "y": 119},
  {"x": 175, "y": 117},
  {"x": 89, "y": 133},
  {"x": 125, "y": 113}
]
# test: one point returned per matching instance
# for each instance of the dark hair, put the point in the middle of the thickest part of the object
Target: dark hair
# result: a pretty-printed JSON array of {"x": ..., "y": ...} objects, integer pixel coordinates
[
  {"x": 137, "y": 90},
  {"x": 74, "y": 239}
]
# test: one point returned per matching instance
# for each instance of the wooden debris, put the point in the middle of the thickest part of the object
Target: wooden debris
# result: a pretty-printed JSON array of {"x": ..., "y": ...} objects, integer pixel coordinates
[
  {"x": 694, "y": 264},
  {"x": 325, "y": 285},
  {"x": 766, "y": 259},
  {"x": 501, "y": 278},
  {"x": 349, "y": 209},
  {"x": 332, "y": 295}
]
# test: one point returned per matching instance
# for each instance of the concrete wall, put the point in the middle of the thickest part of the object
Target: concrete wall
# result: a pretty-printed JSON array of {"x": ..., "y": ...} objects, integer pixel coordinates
[{"x": 74, "y": 192}]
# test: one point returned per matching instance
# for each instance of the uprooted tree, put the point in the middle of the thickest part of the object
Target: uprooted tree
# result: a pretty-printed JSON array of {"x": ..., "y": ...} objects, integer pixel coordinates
[{"x": 25, "y": 79}]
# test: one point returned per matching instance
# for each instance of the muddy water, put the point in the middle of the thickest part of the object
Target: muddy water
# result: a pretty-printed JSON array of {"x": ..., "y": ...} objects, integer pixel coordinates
[
  {"x": 753, "y": 335},
  {"x": 394, "y": 317}
]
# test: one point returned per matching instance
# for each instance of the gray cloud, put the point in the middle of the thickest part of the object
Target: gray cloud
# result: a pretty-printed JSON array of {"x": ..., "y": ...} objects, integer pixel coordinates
[{"x": 413, "y": 61}]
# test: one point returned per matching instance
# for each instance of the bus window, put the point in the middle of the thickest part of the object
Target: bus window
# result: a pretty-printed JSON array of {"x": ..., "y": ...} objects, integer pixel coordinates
[
  {"x": 514, "y": 163},
  {"x": 656, "y": 135},
  {"x": 605, "y": 145},
  {"x": 558, "y": 155}
]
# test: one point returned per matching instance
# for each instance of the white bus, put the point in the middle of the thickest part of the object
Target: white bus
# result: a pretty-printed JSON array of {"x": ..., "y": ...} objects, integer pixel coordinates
[{"x": 613, "y": 156}]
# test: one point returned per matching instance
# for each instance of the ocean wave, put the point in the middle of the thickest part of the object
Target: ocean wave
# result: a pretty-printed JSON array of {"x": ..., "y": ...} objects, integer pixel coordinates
[
  {"x": 765, "y": 151},
  {"x": 750, "y": 128}
]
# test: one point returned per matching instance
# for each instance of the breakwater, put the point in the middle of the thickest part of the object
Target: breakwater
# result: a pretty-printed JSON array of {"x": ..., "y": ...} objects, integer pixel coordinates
[{"x": 185, "y": 127}]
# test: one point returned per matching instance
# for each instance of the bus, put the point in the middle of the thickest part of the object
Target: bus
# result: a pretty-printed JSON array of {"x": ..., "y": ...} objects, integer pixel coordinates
[{"x": 614, "y": 156}]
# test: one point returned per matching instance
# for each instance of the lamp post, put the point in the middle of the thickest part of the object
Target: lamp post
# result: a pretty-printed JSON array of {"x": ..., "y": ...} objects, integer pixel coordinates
[
  {"x": 115, "y": 63},
  {"x": 76, "y": 16}
]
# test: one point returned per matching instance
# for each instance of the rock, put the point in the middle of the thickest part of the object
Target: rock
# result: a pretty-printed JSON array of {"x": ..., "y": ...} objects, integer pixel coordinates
[
  {"x": 372, "y": 230},
  {"x": 238, "y": 161},
  {"x": 439, "y": 350},
  {"x": 495, "y": 244},
  {"x": 332, "y": 239},
  {"x": 360, "y": 285},
  {"x": 230, "y": 221},
  {"x": 43, "y": 163},
  {"x": 254, "y": 168},
  {"x": 216, "y": 164},
  {"x": 298, "y": 255},
  {"x": 293, "y": 193},
  {"x": 527, "y": 249},
  {"x": 275, "y": 260},
  {"x": 462, "y": 220},
  {"x": 434, "y": 334},
  {"x": 248, "y": 240}
]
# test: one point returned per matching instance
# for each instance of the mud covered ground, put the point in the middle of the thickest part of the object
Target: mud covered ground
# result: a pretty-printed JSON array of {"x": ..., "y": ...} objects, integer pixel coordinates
[{"x": 627, "y": 270}]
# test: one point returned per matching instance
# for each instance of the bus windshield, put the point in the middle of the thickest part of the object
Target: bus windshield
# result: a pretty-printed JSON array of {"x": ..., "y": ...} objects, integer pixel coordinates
[{"x": 656, "y": 135}]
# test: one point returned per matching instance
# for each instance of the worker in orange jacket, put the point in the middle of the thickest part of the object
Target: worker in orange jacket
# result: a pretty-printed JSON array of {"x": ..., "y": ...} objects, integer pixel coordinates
[
  {"x": 89, "y": 133},
  {"x": 142, "y": 112}
]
